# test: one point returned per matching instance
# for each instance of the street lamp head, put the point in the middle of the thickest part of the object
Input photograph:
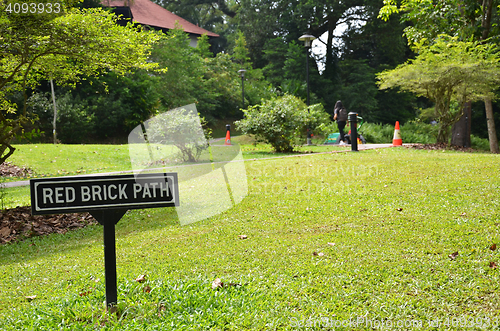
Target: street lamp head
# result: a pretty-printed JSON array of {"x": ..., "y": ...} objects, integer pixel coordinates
[
  {"x": 307, "y": 39},
  {"x": 242, "y": 72}
]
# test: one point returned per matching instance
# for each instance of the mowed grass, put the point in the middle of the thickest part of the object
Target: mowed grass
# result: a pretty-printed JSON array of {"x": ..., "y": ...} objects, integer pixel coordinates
[{"x": 395, "y": 236}]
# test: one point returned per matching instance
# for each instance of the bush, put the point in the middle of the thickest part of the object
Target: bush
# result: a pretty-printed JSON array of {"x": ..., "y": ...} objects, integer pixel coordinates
[
  {"x": 480, "y": 143},
  {"x": 411, "y": 132},
  {"x": 419, "y": 133},
  {"x": 282, "y": 121},
  {"x": 183, "y": 128},
  {"x": 377, "y": 133}
]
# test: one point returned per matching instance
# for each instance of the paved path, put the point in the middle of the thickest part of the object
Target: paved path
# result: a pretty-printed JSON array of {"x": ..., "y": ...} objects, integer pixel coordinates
[{"x": 361, "y": 147}]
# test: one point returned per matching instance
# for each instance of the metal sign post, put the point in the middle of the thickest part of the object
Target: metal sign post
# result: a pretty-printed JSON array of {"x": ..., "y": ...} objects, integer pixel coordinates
[{"x": 107, "y": 199}]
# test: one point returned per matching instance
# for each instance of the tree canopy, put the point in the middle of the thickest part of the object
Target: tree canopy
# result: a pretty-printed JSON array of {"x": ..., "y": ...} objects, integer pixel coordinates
[
  {"x": 446, "y": 71},
  {"x": 61, "y": 46}
]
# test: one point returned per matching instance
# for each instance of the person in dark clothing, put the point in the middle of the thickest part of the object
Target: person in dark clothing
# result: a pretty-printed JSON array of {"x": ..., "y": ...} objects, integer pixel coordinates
[{"x": 340, "y": 115}]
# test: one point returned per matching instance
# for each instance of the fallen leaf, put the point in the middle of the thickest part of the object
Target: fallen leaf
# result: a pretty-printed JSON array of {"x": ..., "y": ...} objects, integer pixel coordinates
[
  {"x": 146, "y": 289},
  {"x": 141, "y": 278},
  {"x": 233, "y": 284},
  {"x": 217, "y": 283},
  {"x": 315, "y": 253},
  {"x": 399, "y": 209},
  {"x": 493, "y": 247},
  {"x": 30, "y": 297},
  {"x": 242, "y": 236},
  {"x": 331, "y": 244},
  {"x": 321, "y": 254},
  {"x": 493, "y": 265},
  {"x": 4, "y": 232},
  {"x": 453, "y": 256}
]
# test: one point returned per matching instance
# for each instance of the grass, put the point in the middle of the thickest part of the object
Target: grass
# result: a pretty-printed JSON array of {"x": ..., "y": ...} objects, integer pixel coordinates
[{"x": 331, "y": 237}]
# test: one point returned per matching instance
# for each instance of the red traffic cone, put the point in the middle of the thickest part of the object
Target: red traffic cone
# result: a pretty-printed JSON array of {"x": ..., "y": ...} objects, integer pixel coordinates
[
  {"x": 228, "y": 138},
  {"x": 397, "y": 141}
]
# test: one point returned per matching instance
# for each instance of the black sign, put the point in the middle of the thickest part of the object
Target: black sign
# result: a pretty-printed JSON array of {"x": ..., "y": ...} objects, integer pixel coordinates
[{"x": 88, "y": 193}]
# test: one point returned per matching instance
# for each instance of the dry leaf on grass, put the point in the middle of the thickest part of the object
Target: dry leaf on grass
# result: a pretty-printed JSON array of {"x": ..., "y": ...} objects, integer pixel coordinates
[
  {"x": 217, "y": 283},
  {"x": 30, "y": 297},
  {"x": 493, "y": 247},
  {"x": 243, "y": 236},
  {"x": 493, "y": 265},
  {"x": 141, "y": 278},
  {"x": 453, "y": 256}
]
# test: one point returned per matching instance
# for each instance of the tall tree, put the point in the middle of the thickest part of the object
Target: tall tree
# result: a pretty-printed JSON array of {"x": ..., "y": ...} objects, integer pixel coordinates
[
  {"x": 61, "y": 45},
  {"x": 447, "y": 72},
  {"x": 466, "y": 19}
]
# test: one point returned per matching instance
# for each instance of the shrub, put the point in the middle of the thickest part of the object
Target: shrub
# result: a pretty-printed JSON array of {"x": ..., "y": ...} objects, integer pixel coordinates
[
  {"x": 377, "y": 133},
  {"x": 183, "y": 128},
  {"x": 419, "y": 133},
  {"x": 281, "y": 121},
  {"x": 480, "y": 143},
  {"x": 411, "y": 132}
]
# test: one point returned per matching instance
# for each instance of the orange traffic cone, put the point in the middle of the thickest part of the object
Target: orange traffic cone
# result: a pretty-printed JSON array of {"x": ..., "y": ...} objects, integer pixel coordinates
[
  {"x": 397, "y": 141},
  {"x": 228, "y": 138}
]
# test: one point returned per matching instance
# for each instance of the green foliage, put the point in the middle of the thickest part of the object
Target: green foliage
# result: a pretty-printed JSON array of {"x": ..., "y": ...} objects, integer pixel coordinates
[
  {"x": 479, "y": 143},
  {"x": 240, "y": 52},
  {"x": 118, "y": 103},
  {"x": 73, "y": 122},
  {"x": 281, "y": 121},
  {"x": 63, "y": 47},
  {"x": 104, "y": 108},
  {"x": 183, "y": 129},
  {"x": 418, "y": 132},
  {"x": 377, "y": 133},
  {"x": 448, "y": 71},
  {"x": 467, "y": 20},
  {"x": 358, "y": 86},
  {"x": 411, "y": 132},
  {"x": 213, "y": 83},
  {"x": 203, "y": 47}
]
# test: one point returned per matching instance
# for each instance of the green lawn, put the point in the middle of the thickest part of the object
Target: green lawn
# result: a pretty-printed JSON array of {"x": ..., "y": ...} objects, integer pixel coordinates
[{"x": 392, "y": 236}]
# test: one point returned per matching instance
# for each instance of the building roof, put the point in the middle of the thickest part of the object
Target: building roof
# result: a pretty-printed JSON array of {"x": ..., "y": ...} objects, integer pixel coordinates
[{"x": 149, "y": 13}]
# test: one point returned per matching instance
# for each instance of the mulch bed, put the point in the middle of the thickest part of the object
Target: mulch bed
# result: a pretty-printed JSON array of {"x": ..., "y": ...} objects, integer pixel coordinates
[
  {"x": 18, "y": 224},
  {"x": 7, "y": 169}
]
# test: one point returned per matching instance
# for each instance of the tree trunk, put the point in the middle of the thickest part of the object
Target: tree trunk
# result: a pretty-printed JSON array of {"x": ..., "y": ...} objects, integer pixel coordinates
[
  {"x": 329, "y": 64},
  {"x": 490, "y": 121},
  {"x": 461, "y": 130},
  {"x": 487, "y": 6}
]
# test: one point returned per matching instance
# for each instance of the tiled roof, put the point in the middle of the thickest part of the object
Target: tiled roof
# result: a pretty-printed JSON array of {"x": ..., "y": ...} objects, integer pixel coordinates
[{"x": 149, "y": 13}]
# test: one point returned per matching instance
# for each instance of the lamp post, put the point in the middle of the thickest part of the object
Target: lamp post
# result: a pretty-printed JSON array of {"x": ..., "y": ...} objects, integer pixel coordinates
[
  {"x": 242, "y": 75},
  {"x": 307, "y": 39}
]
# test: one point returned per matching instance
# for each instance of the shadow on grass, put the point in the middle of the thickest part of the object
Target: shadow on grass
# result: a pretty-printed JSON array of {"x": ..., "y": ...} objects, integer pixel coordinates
[{"x": 133, "y": 221}]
